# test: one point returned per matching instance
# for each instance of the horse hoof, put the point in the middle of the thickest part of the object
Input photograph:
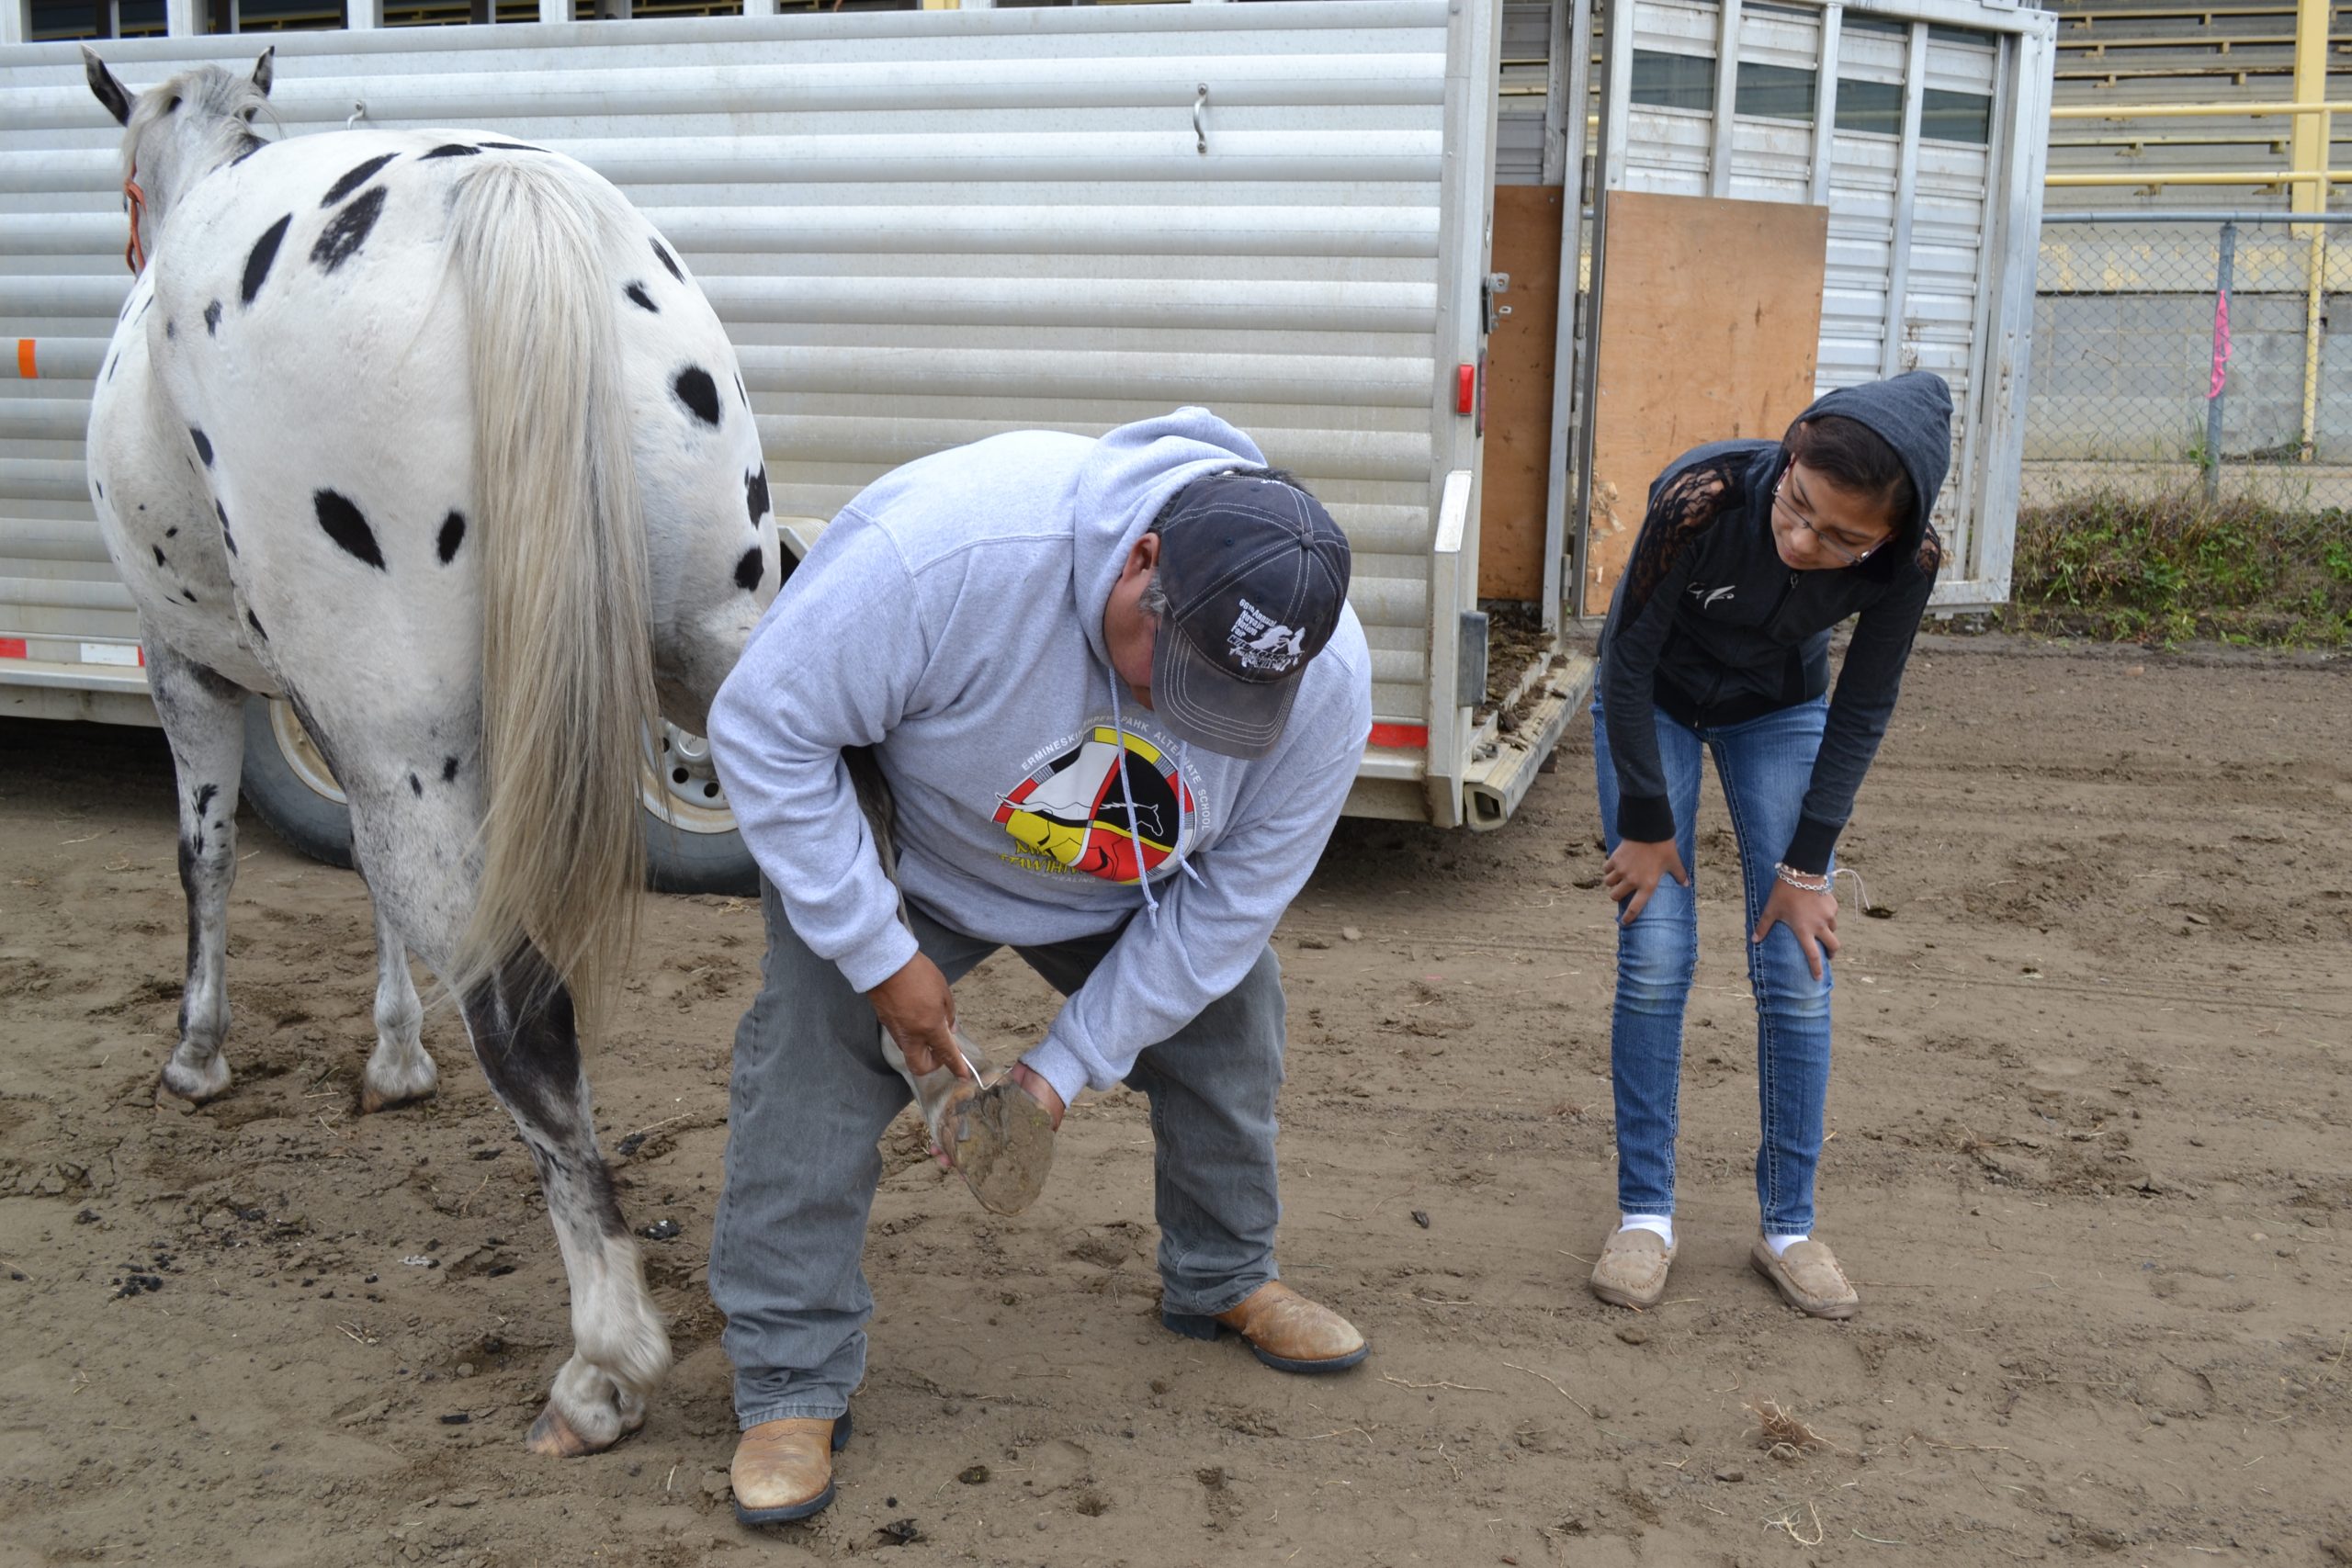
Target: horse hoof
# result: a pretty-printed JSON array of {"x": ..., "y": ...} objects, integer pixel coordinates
[
  {"x": 177, "y": 1082},
  {"x": 1003, "y": 1147},
  {"x": 553, "y": 1437},
  {"x": 398, "y": 1073},
  {"x": 372, "y": 1099}
]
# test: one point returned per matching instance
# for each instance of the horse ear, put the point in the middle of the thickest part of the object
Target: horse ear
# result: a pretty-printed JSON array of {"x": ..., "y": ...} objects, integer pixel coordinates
[
  {"x": 263, "y": 70},
  {"x": 109, "y": 91}
]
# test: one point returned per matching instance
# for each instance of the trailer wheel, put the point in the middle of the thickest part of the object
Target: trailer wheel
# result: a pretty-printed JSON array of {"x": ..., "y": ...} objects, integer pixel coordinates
[
  {"x": 691, "y": 843},
  {"x": 290, "y": 784}
]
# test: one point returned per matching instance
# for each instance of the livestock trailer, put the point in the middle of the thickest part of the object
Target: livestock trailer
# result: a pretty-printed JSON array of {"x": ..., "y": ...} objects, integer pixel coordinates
[
  {"x": 1917, "y": 133},
  {"x": 923, "y": 227}
]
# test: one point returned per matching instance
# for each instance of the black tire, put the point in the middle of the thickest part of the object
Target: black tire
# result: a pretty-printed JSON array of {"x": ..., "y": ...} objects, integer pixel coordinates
[
  {"x": 312, "y": 823},
  {"x": 286, "y": 791},
  {"x": 680, "y": 861}
]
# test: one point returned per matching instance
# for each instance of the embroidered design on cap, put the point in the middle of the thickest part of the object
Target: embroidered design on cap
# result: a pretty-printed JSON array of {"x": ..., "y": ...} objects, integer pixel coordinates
[{"x": 1260, "y": 644}]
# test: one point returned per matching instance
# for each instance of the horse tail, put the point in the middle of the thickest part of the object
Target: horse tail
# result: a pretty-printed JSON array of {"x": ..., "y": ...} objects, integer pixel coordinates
[{"x": 567, "y": 657}]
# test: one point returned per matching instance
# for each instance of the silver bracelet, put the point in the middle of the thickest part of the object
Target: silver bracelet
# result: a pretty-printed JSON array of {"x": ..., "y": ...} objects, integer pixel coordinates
[{"x": 1798, "y": 880}]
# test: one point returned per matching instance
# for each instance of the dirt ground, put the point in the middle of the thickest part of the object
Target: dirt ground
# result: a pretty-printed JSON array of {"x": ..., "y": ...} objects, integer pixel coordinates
[{"x": 2089, "y": 1164}]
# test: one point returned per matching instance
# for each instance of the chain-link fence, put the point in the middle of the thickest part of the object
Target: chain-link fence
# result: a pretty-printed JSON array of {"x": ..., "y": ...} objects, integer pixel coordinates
[{"x": 2177, "y": 350}]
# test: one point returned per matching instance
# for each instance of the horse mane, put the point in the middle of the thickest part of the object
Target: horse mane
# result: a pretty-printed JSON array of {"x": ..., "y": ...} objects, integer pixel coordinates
[{"x": 213, "y": 100}]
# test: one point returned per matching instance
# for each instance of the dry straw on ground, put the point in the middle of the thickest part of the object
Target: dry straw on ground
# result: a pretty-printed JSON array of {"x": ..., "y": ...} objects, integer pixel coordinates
[{"x": 1780, "y": 1434}]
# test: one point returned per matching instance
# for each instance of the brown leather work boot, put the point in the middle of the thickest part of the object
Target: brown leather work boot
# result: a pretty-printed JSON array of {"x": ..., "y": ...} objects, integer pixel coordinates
[
  {"x": 784, "y": 1470},
  {"x": 1285, "y": 1329}
]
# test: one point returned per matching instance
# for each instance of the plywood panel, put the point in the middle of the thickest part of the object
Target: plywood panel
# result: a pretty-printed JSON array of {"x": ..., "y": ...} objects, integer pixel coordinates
[
  {"x": 1710, "y": 322},
  {"x": 1518, "y": 394}
]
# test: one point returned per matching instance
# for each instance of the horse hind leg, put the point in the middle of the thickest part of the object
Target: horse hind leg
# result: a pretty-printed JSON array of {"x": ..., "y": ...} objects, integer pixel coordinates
[
  {"x": 203, "y": 720},
  {"x": 399, "y": 1070},
  {"x": 521, "y": 1021},
  {"x": 521, "y": 1026}
]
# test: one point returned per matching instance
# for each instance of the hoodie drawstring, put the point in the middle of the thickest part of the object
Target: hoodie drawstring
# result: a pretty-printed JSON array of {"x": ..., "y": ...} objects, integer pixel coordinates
[{"x": 1183, "y": 850}]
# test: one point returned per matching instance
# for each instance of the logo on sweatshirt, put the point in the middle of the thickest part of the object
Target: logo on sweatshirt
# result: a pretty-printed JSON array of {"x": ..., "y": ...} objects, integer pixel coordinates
[
  {"x": 1707, "y": 596},
  {"x": 1259, "y": 642},
  {"x": 1071, "y": 814}
]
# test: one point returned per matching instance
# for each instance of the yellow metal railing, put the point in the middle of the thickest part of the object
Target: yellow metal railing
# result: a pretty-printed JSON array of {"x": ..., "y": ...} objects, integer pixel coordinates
[
  {"x": 2312, "y": 130},
  {"x": 2141, "y": 111},
  {"x": 2307, "y": 176},
  {"x": 2083, "y": 19},
  {"x": 2223, "y": 45},
  {"x": 2204, "y": 178}
]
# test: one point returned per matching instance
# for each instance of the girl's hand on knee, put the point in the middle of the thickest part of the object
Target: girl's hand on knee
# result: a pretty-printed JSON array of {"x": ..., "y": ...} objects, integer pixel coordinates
[
  {"x": 1811, "y": 918},
  {"x": 1633, "y": 870}
]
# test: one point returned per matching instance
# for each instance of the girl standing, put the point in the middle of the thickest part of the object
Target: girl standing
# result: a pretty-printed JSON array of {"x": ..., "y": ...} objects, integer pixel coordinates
[{"x": 1718, "y": 641}]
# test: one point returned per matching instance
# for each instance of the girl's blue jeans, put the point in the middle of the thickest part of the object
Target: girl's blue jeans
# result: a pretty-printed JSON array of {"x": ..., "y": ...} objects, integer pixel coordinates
[{"x": 1764, "y": 765}]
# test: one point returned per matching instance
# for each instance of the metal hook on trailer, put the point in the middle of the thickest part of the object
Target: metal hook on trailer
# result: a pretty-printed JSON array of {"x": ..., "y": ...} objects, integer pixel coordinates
[
  {"x": 1200, "y": 130},
  {"x": 358, "y": 113}
]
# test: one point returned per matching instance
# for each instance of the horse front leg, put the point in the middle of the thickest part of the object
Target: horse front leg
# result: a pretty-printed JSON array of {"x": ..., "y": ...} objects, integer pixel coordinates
[
  {"x": 203, "y": 720},
  {"x": 399, "y": 1070},
  {"x": 521, "y": 1022}
]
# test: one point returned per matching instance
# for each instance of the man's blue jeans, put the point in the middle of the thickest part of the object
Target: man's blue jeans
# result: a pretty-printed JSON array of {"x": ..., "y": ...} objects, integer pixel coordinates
[
  {"x": 810, "y": 1094},
  {"x": 1764, "y": 765}
]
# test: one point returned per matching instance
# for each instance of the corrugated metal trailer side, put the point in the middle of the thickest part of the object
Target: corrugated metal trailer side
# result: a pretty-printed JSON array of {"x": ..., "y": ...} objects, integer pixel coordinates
[{"x": 921, "y": 229}]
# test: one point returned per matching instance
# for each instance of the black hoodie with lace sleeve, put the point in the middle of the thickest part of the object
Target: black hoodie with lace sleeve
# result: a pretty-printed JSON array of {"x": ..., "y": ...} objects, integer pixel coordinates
[{"x": 1711, "y": 627}]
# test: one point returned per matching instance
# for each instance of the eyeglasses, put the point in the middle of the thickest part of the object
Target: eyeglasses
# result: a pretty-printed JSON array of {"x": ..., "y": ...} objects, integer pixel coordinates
[{"x": 1850, "y": 557}]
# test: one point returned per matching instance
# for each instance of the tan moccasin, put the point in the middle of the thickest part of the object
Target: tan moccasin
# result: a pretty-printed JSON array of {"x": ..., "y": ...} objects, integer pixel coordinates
[
  {"x": 1285, "y": 1330},
  {"x": 1632, "y": 1270},
  {"x": 1808, "y": 1278},
  {"x": 784, "y": 1470}
]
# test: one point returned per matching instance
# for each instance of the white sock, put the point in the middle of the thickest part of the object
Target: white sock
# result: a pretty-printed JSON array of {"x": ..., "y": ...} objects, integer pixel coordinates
[
  {"x": 1660, "y": 1225},
  {"x": 1781, "y": 1244}
]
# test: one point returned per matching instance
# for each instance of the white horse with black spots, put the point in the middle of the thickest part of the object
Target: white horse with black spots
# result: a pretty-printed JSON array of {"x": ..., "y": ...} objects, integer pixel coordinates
[{"x": 430, "y": 434}]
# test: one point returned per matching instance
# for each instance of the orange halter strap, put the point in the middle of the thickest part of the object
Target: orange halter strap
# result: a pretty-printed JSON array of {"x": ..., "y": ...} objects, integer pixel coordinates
[{"x": 134, "y": 254}]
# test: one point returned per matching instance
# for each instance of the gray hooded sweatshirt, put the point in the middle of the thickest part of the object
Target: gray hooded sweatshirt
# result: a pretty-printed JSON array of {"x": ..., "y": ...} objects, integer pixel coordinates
[{"x": 952, "y": 618}]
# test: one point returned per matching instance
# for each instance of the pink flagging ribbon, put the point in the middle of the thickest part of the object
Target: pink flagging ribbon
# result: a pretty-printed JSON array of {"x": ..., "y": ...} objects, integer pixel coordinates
[{"x": 2221, "y": 343}]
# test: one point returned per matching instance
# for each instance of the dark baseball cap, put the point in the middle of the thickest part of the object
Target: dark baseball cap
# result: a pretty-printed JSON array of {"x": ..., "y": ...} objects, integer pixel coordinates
[{"x": 1255, "y": 573}]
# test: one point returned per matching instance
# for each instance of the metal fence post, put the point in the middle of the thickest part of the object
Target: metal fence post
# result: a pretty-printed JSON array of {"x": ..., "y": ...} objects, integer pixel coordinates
[
  {"x": 2314, "y": 334},
  {"x": 2217, "y": 391}
]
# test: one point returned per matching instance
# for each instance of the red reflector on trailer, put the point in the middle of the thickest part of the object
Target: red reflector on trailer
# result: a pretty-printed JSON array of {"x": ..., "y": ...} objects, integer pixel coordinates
[
  {"x": 13, "y": 648},
  {"x": 1401, "y": 736},
  {"x": 1465, "y": 389}
]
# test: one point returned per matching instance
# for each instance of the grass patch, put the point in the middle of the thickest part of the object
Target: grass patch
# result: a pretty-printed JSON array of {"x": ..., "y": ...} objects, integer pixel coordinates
[{"x": 2170, "y": 568}]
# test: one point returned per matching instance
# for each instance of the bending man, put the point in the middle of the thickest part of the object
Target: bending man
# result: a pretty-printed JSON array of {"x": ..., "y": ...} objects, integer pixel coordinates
[{"x": 1118, "y": 697}]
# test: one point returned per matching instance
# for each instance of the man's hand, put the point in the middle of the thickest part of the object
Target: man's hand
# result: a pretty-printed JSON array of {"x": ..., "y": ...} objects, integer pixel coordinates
[
  {"x": 919, "y": 1011},
  {"x": 1632, "y": 871},
  {"x": 1041, "y": 1091},
  {"x": 1811, "y": 918}
]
